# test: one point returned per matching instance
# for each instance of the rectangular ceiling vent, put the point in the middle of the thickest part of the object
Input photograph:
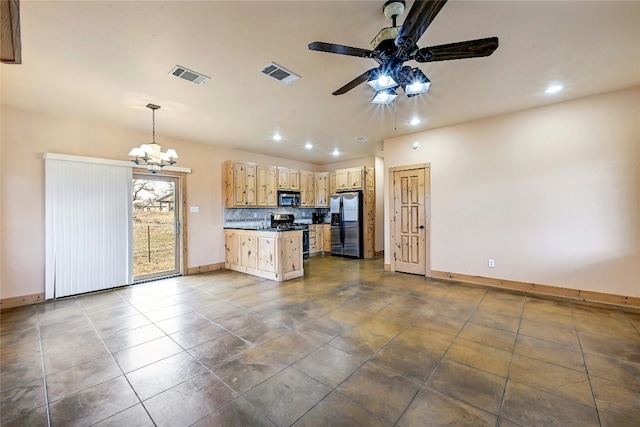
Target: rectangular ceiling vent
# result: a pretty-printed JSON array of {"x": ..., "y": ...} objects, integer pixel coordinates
[
  {"x": 279, "y": 73},
  {"x": 188, "y": 75}
]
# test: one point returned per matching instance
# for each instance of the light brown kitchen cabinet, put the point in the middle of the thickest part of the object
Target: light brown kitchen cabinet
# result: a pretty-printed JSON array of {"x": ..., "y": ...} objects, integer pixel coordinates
[
  {"x": 313, "y": 242},
  {"x": 342, "y": 180},
  {"x": 249, "y": 251},
  {"x": 369, "y": 212},
  {"x": 307, "y": 189},
  {"x": 355, "y": 178},
  {"x": 326, "y": 238},
  {"x": 319, "y": 238},
  {"x": 240, "y": 184},
  {"x": 322, "y": 189},
  {"x": 369, "y": 205},
  {"x": 294, "y": 179},
  {"x": 283, "y": 178},
  {"x": 267, "y": 191},
  {"x": 350, "y": 179},
  {"x": 288, "y": 179},
  {"x": 369, "y": 178},
  {"x": 369, "y": 239},
  {"x": 332, "y": 183},
  {"x": 269, "y": 254}
]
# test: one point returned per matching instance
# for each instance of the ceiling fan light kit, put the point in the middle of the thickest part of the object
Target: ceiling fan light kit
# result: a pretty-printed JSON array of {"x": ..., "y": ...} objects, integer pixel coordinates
[
  {"x": 385, "y": 96},
  {"x": 382, "y": 82},
  {"x": 419, "y": 83},
  {"x": 394, "y": 46}
]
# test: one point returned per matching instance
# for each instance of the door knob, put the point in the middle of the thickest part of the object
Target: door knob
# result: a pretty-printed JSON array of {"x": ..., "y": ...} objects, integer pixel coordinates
[{"x": 421, "y": 227}]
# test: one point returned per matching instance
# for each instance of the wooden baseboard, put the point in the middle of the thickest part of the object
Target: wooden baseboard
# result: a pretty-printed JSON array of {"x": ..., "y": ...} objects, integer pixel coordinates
[
  {"x": 387, "y": 267},
  {"x": 577, "y": 294},
  {"x": 378, "y": 253},
  {"x": 20, "y": 301},
  {"x": 205, "y": 268}
]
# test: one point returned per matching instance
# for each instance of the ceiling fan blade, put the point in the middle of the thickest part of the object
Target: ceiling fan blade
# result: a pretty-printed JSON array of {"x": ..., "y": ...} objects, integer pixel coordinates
[
  {"x": 353, "y": 83},
  {"x": 459, "y": 50},
  {"x": 419, "y": 18},
  {"x": 340, "y": 49}
]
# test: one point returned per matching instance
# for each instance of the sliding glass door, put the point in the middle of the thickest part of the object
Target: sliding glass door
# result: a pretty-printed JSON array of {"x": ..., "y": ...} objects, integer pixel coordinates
[{"x": 156, "y": 226}]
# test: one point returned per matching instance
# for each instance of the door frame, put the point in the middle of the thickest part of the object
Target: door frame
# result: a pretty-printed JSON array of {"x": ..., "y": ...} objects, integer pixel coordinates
[
  {"x": 426, "y": 167},
  {"x": 181, "y": 194}
]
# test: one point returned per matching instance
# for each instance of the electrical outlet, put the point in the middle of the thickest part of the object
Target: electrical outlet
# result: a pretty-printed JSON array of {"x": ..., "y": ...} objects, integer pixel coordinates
[{"x": 492, "y": 263}]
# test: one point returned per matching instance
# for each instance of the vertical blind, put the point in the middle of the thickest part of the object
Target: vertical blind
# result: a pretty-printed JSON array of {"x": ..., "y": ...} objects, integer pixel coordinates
[{"x": 88, "y": 214}]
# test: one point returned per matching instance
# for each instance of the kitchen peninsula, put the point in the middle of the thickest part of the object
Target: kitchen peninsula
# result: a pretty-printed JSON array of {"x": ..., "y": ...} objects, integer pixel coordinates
[{"x": 270, "y": 253}]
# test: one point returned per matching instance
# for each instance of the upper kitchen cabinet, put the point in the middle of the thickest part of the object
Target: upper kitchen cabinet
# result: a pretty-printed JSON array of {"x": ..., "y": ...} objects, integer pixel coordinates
[
  {"x": 342, "y": 180},
  {"x": 288, "y": 179},
  {"x": 322, "y": 189},
  {"x": 266, "y": 186},
  {"x": 307, "y": 189},
  {"x": 249, "y": 185},
  {"x": 332, "y": 183},
  {"x": 240, "y": 184},
  {"x": 358, "y": 178}
]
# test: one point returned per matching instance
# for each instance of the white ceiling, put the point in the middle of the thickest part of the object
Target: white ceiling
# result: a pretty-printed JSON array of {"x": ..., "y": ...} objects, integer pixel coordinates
[{"x": 103, "y": 61}]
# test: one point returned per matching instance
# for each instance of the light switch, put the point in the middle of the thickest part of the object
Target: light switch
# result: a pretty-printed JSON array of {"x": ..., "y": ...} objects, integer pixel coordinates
[{"x": 194, "y": 209}]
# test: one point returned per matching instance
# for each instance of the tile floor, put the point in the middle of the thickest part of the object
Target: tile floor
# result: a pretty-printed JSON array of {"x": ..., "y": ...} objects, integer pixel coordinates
[{"x": 347, "y": 345}]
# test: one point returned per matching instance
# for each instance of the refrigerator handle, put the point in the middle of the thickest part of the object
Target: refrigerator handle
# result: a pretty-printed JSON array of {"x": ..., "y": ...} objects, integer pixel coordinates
[{"x": 341, "y": 221}]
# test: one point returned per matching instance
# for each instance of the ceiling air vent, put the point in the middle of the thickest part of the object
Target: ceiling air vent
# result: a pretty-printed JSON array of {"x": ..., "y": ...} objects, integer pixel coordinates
[
  {"x": 278, "y": 73},
  {"x": 188, "y": 75}
]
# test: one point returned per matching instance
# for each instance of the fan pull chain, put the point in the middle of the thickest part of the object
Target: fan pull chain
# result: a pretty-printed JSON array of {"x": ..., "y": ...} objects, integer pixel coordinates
[{"x": 395, "y": 114}]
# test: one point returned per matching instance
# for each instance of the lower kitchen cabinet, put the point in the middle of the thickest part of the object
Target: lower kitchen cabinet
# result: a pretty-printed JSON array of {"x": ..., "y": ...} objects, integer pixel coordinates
[
  {"x": 274, "y": 255},
  {"x": 319, "y": 239},
  {"x": 326, "y": 238}
]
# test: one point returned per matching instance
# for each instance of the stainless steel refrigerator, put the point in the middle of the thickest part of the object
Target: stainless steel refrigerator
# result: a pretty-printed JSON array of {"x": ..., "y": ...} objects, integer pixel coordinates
[{"x": 346, "y": 224}]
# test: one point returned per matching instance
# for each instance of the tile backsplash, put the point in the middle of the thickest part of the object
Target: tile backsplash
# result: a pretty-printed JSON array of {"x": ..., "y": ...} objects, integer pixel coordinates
[{"x": 259, "y": 216}]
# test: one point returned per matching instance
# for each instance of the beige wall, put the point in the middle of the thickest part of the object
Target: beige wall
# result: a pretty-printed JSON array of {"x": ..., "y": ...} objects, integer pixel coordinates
[
  {"x": 552, "y": 194},
  {"x": 26, "y": 136}
]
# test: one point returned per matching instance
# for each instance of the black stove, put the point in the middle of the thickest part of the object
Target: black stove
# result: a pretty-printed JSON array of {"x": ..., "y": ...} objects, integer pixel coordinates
[{"x": 286, "y": 222}]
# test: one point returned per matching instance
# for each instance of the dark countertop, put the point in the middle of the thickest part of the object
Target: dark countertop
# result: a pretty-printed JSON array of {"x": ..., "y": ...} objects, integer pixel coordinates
[{"x": 256, "y": 228}]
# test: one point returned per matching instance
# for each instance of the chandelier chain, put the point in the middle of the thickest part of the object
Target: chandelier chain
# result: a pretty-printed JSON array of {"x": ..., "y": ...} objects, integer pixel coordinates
[{"x": 153, "y": 121}]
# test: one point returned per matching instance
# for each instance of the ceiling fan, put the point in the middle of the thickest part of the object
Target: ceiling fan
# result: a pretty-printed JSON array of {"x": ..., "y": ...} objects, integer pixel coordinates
[{"x": 393, "y": 46}]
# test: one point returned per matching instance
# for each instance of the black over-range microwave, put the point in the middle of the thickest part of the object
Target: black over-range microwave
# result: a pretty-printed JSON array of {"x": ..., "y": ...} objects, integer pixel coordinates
[{"x": 288, "y": 198}]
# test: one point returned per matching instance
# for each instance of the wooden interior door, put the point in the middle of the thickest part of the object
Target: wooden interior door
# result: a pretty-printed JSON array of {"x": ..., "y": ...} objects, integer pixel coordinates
[{"x": 410, "y": 221}]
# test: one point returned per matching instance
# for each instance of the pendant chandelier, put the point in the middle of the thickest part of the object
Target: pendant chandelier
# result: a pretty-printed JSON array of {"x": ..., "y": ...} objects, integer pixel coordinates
[{"x": 151, "y": 155}]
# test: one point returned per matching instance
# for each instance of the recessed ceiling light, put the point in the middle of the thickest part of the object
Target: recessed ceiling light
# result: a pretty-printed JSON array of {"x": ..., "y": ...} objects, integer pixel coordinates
[
  {"x": 277, "y": 137},
  {"x": 308, "y": 146},
  {"x": 336, "y": 152},
  {"x": 414, "y": 121},
  {"x": 554, "y": 89}
]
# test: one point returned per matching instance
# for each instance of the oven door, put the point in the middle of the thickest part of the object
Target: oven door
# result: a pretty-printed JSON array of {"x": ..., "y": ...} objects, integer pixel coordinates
[{"x": 305, "y": 244}]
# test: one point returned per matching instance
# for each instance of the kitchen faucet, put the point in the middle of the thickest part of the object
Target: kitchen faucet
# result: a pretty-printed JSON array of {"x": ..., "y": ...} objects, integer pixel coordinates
[{"x": 267, "y": 215}]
